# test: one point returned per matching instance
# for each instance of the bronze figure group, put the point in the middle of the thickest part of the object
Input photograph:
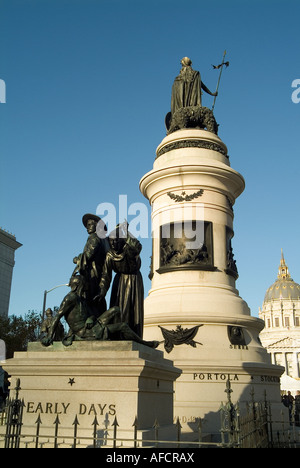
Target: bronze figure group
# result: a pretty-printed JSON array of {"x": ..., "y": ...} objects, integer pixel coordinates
[{"x": 84, "y": 307}]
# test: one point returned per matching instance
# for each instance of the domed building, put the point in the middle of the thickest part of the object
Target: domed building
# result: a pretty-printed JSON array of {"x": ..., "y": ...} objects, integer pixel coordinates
[{"x": 281, "y": 335}]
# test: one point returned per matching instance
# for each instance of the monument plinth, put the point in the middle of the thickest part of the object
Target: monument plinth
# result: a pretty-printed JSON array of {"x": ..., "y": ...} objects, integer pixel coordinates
[
  {"x": 88, "y": 380},
  {"x": 192, "y": 190}
]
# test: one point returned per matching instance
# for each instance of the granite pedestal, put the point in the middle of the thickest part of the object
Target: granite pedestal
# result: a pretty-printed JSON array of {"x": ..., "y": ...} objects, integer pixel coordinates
[{"x": 88, "y": 380}]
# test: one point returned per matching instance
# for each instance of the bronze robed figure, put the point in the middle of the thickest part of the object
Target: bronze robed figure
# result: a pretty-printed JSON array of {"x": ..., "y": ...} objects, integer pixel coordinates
[{"x": 127, "y": 292}]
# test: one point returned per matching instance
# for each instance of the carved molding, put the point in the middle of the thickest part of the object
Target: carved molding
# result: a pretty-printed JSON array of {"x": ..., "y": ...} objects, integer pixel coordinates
[{"x": 191, "y": 144}]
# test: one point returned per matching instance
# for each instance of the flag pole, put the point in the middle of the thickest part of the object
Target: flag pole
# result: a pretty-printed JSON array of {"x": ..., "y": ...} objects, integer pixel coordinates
[{"x": 219, "y": 79}]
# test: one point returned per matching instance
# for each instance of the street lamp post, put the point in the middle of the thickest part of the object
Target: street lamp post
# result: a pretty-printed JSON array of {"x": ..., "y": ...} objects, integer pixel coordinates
[{"x": 45, "y": 296}]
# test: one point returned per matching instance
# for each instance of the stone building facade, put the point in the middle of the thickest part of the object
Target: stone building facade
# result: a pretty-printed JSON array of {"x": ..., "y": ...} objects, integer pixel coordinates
[
  {"x": 281, "y": 335},
  {"x": 8, "y": 246}
]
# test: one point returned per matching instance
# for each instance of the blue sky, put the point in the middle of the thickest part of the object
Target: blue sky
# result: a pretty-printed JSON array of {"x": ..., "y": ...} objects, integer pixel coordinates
[{"x": 88, "y": 84}]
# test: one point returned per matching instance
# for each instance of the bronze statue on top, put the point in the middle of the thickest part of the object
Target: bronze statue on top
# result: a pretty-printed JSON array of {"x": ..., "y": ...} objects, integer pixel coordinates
[
  {"x": 186, "y": 90},
  {"x": 186, "y": 102}
]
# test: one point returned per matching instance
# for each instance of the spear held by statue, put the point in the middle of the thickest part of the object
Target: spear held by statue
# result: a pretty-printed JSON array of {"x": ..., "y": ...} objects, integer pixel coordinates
[{"x": 219, "y": 67}]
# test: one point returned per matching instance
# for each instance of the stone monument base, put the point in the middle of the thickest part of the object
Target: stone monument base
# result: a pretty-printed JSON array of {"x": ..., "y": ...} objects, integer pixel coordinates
[
  {"x": 206, "y": 368},
  {"x": 94, "y": 386}
]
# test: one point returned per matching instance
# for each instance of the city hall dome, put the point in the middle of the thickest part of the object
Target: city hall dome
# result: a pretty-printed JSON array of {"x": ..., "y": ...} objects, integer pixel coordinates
[
  {"x": 284, "y": 287},
  {"x": 281, "y": 336}
]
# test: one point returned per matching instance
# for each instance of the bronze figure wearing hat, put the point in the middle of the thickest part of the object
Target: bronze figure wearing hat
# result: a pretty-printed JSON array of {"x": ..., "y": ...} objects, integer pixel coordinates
[{"x": 90, "y": 262}]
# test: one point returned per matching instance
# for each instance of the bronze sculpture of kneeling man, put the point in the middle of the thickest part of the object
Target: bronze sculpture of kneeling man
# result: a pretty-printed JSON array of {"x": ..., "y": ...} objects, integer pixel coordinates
[{"x": 84, "y": 326}]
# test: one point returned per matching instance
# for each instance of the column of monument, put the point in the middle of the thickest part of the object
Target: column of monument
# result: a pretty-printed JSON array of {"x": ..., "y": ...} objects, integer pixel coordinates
[{"x": 193, "y": 306}]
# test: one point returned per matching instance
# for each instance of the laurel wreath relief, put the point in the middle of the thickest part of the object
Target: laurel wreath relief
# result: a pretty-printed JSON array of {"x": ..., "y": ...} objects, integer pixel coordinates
[{"x": 184, "y": 196}]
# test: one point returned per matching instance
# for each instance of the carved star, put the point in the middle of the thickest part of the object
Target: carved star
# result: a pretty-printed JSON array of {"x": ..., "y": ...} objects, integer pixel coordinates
[{"x": 71, "y": 381}]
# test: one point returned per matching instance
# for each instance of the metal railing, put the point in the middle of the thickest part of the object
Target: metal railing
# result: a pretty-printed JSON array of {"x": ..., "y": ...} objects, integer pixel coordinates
[{"x": 252, "y": 429}]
